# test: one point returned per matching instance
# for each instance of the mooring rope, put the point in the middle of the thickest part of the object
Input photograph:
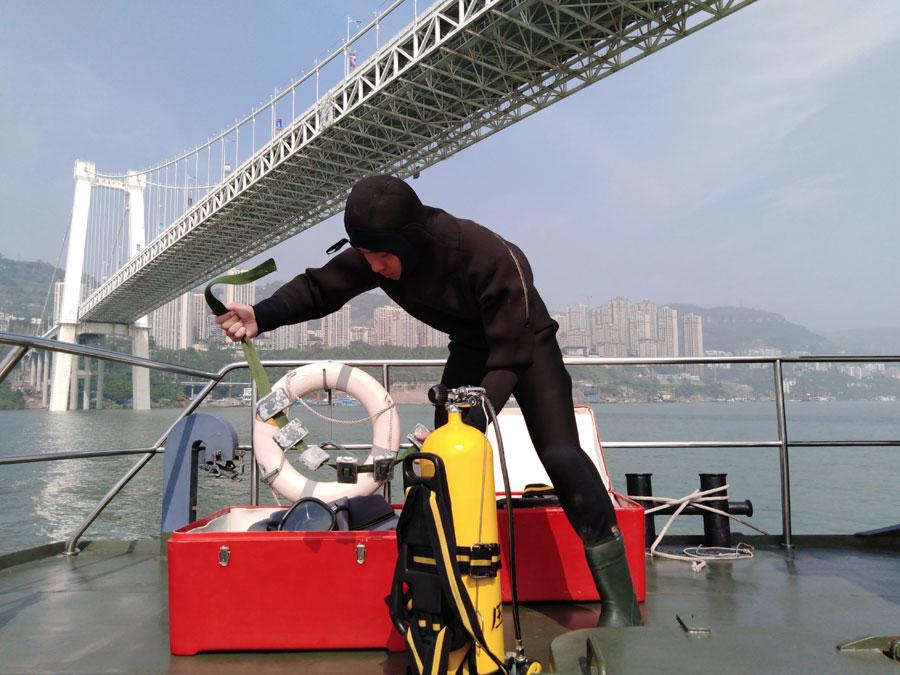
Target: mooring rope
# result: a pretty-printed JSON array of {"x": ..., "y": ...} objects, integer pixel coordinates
[{"x": 698, "y": 556}]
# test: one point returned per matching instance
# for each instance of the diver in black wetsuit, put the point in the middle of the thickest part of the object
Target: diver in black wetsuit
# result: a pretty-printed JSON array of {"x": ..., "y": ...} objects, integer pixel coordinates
[{"x": 472, "y": 284}]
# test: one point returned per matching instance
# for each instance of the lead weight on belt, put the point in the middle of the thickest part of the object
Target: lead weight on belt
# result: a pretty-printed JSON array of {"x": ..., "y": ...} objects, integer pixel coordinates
[
  {"x": 314, "y": 457},
  {"x": 272, "y": 403},
  {"x": 290, "y": 434},
  {"x": 382, "y": 467},
  {"x": 347, "y": 469}
]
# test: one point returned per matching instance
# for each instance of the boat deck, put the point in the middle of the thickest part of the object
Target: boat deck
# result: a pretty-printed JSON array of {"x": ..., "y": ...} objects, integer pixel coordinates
[{"x": 105, "y": 611}]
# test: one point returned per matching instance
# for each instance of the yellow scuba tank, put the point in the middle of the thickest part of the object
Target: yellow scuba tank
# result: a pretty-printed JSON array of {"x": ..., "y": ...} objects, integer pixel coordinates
[{"x": 468, "y": 463}]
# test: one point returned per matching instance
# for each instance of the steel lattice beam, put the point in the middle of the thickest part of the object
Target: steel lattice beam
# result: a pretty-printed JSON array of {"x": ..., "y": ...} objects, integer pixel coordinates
[{"x": 464, "y": 71}]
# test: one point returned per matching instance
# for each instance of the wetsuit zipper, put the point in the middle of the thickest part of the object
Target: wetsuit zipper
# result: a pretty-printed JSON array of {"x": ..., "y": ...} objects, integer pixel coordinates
[{"x": 521, "y": 276}]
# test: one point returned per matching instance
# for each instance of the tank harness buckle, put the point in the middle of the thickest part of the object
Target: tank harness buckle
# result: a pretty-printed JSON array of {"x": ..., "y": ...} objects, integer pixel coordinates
[{"x": 483, "y": 560}]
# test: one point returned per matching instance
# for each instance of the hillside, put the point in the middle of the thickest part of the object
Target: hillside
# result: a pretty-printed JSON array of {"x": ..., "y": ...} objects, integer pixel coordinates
[
  {"x": 732, "y": 329},
  {"x": 23, "y": 286},
  {"x": 868, "y": 341}
]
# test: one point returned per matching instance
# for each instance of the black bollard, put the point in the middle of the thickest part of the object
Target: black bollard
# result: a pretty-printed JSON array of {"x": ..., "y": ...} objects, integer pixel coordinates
[
  {"x": 640, "y": 485},
  {"x": 716, "y": 528}
]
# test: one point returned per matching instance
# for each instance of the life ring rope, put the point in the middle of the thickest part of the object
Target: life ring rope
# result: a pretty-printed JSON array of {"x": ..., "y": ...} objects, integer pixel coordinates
[
  {"x": 335, "y": 420},
  {"x": 353, "y": 478},
  {"x": 269, "y": 478}
]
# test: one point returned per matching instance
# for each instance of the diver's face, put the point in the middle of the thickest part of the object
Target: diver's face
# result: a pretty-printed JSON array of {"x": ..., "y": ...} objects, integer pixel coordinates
[{"x": 386, "y": 264}]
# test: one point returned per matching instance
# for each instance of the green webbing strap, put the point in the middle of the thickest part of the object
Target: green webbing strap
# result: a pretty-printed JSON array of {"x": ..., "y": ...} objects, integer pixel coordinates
[{"x": 257, "y": 372}]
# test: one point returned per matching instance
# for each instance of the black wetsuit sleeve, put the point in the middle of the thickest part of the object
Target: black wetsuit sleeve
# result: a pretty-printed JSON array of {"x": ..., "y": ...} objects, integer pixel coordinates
[
  {"x": 502, "y": 293},
  {"x": 317, "y": 292}
]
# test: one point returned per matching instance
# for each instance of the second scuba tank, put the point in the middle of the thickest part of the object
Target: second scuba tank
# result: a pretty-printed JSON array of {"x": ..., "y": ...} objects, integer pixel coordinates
[{"x": 468, "y": 463}]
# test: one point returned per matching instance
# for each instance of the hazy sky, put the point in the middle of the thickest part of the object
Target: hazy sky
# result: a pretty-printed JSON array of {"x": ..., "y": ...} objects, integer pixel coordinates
[{"x": 754, "y": 163}]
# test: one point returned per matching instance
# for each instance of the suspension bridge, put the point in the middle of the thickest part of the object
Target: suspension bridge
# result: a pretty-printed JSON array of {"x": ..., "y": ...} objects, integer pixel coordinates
[{"x": 447, "y": 76}]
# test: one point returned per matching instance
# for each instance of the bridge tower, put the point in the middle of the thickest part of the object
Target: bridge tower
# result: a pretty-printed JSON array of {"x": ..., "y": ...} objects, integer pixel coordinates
[{"x": 65, "y": 371}]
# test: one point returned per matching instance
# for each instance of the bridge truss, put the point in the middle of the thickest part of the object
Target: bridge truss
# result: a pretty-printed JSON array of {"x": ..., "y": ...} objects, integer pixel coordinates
[{"x": 459, "y": 73}]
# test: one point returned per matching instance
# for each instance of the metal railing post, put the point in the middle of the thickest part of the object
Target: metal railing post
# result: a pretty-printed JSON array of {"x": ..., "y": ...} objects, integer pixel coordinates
[
  {"x": 254, "y": 469},
  {"x": 784, "y": 459},
  {"x": 11, "y": 361},
  {"x": 72, "y": 543},
  {"x": 12, "y": 358}
]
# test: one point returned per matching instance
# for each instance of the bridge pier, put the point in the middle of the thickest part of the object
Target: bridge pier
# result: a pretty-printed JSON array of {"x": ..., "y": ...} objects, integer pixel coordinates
[
  {"x": 99, "y": 404},
  {"x": 140, "y": 377},
  {"x": 45, "y": 377}
]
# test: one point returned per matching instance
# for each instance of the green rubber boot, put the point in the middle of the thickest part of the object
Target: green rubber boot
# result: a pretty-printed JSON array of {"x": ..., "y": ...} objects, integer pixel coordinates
[{"x": 619, "y": 606}]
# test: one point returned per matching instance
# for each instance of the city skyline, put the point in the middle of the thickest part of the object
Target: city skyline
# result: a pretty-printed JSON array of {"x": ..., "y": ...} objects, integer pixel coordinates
[{"x": 618, "y": 328}]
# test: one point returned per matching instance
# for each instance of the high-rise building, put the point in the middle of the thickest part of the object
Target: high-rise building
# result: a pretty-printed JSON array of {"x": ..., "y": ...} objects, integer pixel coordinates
[
  {"x": 364, "y": 334},
  {"x": 641, "y": 326},
  {"x": 200, "y": 318},
  {"x": 649, "y": 310},
  {"x": 692, "y": 325},
  {"x": 621, "y": 314},
  {"x": 692, "y": 329},
  {"x": 169, "y": 325},
  {"x": 289, "y": 337},
  {"x": 408, "y": 331},
  {"x": 647, "y": 348},
  {"x": 244, "y": 294},
  {"x": 387, "y": 325},
  {"x": 336, "y": 328},
  {"x": 667, "y": 330},
  {"x": 563, "y": 333},
  {"x": 577, "y": 316},
  {"x": 598, "y": 319},
  {"x": 611, "y": 349},
  {"x": 577, "y": 339},
  {"x": 431, "y": 337}
]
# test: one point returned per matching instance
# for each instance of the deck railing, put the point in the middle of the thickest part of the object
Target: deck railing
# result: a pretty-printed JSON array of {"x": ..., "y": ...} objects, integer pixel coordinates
[{"x": 22, "y": 343}]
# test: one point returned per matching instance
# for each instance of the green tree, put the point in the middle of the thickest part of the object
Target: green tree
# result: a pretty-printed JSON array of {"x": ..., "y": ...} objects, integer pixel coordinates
[{"x": 10, "y": 399}]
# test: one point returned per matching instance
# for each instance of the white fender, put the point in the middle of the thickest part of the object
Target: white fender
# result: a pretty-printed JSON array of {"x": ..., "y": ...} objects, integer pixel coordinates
[{"x": 328, "y": 375}]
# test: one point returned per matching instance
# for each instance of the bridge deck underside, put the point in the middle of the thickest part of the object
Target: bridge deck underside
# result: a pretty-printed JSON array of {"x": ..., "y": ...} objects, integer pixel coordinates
[{"x": 464, "y": 71}]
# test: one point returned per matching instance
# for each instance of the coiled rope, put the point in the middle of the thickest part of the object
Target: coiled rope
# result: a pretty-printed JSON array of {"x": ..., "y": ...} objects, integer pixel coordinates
[{"x": 699, "y": 556}]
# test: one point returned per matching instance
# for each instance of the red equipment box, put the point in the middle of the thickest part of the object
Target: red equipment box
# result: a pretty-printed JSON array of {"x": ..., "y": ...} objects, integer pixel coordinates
[
  {"x": 236, "y": 590},
  {"x": 233, "y": 589},
  {"x": 550, "y": 562}
]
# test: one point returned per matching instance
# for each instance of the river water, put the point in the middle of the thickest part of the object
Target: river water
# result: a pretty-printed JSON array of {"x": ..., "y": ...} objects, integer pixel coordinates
[{"x": 834, "y": 490}]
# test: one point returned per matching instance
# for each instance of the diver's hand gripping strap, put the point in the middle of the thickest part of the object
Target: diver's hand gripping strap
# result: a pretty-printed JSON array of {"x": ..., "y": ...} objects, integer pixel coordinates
[
  {"x": 257, "y": 372},
  {"x": 434, "y": 612}
]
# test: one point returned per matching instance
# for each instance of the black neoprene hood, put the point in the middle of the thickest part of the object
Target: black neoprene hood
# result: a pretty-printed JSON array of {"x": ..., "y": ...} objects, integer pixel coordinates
[{"x": 385, "y": 214}]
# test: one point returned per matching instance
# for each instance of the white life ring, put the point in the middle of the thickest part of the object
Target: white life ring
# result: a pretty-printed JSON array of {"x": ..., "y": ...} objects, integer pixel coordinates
[{"x": 287, "y": 480}]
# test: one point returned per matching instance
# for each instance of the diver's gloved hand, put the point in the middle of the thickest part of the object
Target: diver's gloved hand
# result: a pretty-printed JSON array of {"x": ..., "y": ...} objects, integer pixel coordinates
[{"x": 475, "y": 417}]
